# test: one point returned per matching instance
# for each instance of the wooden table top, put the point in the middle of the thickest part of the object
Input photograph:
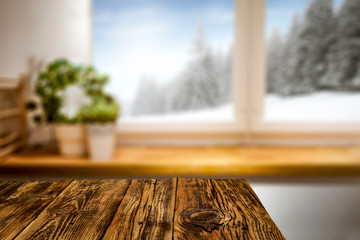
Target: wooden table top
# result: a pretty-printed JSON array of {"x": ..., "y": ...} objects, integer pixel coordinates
[{"x": 172, "y": 208}]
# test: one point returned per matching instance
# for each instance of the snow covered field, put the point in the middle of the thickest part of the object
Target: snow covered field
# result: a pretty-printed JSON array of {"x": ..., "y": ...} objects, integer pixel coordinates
[
  {"x": 324, "y": 106},
  {"x": 224, "y": 113}
]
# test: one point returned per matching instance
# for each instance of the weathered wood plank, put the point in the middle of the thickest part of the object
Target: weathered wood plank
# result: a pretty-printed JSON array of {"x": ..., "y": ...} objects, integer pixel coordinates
[
  {"x": 123, "y": 221},
  {"x": 249, "y": 215},
  {"x": 196, "y": 215},
  {"x": 8, "y": 188},
  {"x": 155, "y": 216},
  {"x": 133, "y": 209},
  {"x": 220, "y": 209},
  {"x": 147, "y": 210},
  {"x": 21, "y": 202},
  {"x": 82, "y": 211}
]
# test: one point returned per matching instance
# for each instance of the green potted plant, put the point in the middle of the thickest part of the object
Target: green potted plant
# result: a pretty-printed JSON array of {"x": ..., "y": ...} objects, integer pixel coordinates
[
  {"x": 62, "y": 89},
  {"x": 100, "y": 118},
  {"x": 69, "y": 127}
]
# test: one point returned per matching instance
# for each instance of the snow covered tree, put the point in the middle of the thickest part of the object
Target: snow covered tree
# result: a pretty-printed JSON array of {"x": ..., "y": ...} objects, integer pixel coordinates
[
  {"x": 314, "y": 41},
  {"x": 223, "y": 63},
  {"x": 274, "y": 57},
  {"x": 199, "y": 86},
  {"x": 344, "y": 57},
  {"x": 205, "y": 82},
  {"x": 148, "y": 98},
  {"x": 226, "y": 77},
  {"x": 170, "y": 92},
  {"x": 282, "y": 60}
]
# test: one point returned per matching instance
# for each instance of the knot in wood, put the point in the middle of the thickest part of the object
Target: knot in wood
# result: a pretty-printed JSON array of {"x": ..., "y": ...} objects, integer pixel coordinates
[{"x": 207, "y": 219}]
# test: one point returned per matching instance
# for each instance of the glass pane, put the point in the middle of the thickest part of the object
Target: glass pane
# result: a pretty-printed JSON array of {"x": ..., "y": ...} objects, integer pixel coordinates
[
  {"x": 313, "y": 60},
  {"x": 167, "y": 59}
]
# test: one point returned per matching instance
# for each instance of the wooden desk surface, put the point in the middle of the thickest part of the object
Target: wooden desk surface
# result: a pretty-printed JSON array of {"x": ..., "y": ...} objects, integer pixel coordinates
[
  {"x": 244, "y": 161},
  {"x": 133, "y": 209}
]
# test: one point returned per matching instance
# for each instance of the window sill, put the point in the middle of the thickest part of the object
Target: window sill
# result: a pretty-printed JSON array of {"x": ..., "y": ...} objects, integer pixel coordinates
[{"x": 244, "y": 161}]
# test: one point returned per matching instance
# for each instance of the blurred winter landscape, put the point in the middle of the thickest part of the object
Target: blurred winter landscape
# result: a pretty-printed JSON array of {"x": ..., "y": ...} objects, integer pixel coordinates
[
  {"x": 313, "y": 68},
  {"x": 167, "y": 73},
  {"x": 320, "y": 51},
  {"x": 174, "y": 56}
]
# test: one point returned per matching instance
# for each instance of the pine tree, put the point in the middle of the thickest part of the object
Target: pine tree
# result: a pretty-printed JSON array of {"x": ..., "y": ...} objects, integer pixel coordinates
[
  {"x": 344, "y": 58},
  {"x": 287, "y": 76},
  {"x": 315, "y": 39},
  {"x": 199, "y": 86},
  {"x": 148, "y": 98},
  {"x": 169, "y": 93},
  {"x": 225, "y": 78},
  {"x": 274, "y": 57},
  {"x": 223, "y": 72}
]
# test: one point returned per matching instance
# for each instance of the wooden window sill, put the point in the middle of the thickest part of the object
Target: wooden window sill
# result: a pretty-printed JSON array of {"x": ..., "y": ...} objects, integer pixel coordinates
[{"x": 244, "y": 161}]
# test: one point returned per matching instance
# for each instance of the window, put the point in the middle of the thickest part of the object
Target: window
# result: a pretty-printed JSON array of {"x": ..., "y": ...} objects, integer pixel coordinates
[
  {"x": 313, "y": 70},
  {"x": 248, "y": 67},
  {"x": 287, "y": 97},
  {"x": 169, "y": 60}
]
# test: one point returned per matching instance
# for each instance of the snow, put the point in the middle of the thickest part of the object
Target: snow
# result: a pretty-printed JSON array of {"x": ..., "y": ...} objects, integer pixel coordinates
[
  {"x": 223, "y": 113},
  {"x": 318, "y": 107},
  {"x": 322, "y": 106}
]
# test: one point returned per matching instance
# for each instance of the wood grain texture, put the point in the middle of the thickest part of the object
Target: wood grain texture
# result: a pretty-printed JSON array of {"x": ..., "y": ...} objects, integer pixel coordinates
[
  {"x": 147, "y": 210},
  {"x": 82, "y": 211},
  {"x": 21, "y": 202},
  {"x": 220, "y": 209},
  {"x": 196, "y": 215},
  {"x": 133, "y": 209},
  {"x": 238, "y": 198}
]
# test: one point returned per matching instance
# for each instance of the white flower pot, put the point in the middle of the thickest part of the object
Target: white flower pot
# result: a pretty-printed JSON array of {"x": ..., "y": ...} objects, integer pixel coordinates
[
  {"x": 71, "y": 139},
  {"x": 101, "y": 141}
]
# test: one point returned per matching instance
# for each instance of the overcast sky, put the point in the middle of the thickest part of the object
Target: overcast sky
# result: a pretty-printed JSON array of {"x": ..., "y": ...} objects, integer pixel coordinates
[{"x": 135, "y": 38}]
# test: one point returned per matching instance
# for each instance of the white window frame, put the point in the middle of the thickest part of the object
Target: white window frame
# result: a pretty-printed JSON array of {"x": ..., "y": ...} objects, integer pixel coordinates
[{"x": 248, "y": 102}]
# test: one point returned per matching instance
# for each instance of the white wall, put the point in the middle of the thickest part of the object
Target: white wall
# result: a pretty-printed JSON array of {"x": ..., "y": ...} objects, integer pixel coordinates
[
  {"x": 319, "y": 211},
  {"x": 36, "y": 31}
]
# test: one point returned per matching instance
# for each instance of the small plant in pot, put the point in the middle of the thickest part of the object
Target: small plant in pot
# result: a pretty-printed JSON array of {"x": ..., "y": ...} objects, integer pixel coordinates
[
  {"x": 70, "y": 134},
  {"x": 62, "y": 89},
  {"x": 69, "y": 127},
  {"x": 100, "y": 118}
]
